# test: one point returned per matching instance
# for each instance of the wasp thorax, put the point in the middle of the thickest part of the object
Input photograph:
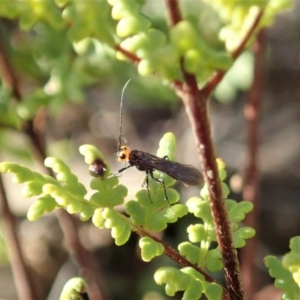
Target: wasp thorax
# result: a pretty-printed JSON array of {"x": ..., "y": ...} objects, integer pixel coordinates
[{"x": 123, "y": 153}]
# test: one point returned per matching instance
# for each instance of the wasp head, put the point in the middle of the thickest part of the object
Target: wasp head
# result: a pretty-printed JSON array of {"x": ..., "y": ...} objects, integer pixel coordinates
[{"x": 123, "y": 153}]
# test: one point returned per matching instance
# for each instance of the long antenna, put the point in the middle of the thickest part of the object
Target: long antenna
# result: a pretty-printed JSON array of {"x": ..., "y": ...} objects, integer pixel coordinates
[{"x": 121, "y": 108}]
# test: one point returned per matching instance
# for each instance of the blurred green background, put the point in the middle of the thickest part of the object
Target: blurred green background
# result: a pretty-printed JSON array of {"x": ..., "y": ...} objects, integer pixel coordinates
[{"x": 85, "y": 109}]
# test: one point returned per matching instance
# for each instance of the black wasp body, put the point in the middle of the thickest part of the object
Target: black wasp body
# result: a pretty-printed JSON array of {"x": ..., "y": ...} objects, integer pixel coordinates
[{"x": 146, "y": 162}]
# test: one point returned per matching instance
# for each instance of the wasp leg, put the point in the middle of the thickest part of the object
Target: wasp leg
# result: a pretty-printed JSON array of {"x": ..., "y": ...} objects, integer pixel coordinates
[
  {"x": 159, "y": 180},
  {"x": 115, "y": 174},
  {"x": 146, "y": 184}
]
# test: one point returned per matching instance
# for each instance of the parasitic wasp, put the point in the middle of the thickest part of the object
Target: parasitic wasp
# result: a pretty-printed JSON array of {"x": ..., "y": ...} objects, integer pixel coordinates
[{"x": 148, "y": 163}]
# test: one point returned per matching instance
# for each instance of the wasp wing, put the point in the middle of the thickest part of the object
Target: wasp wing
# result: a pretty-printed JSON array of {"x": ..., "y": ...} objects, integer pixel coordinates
[{"x": 188, "y": 174}]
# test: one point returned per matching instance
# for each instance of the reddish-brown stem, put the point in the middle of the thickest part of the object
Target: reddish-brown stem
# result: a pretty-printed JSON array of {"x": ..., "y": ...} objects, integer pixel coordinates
[
  {"x": 218, "y": 75},
  {"x": 9, "y": 78},
  {"x": 252, "y": 112},
  {"x": 175, "y": 256},
  {"x": 197, "y": 111},
  {"x": 174, "y": 11},
  {"x": 88, "y": 268},
  {"x": 66, "y": 221},
  {"x": 128, "y": 54},
  {"x": 195, "y": 102},
  {"x": 23, "y": 280},
  {"x": 181, "y": 260}
]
